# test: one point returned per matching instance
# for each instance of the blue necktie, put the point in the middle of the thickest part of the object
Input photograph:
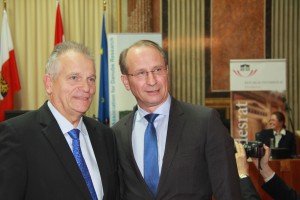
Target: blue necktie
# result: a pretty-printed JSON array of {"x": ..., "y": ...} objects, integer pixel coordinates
[
  {"x": 151, "y": 174},
  {"x": 74, "y": 133}
]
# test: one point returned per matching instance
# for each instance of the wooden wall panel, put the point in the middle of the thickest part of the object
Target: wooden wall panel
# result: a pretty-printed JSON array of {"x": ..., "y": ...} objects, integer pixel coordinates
[{"x": 237, "y": 32}]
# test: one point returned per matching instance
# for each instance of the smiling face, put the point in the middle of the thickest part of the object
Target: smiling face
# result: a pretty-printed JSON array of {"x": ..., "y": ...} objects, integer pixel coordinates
[
  {"x": 72, "y": 89},
  {"x": 275, "y": 123},
  {"x": 152, "y": 90}
]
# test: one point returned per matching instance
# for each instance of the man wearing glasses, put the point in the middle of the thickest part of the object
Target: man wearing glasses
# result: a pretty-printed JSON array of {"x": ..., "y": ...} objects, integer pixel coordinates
[{"x": 170, "y": 149}]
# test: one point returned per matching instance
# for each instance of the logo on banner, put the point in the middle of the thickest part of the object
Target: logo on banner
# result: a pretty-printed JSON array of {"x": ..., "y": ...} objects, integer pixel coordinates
[{"x": 245, "y": 71}]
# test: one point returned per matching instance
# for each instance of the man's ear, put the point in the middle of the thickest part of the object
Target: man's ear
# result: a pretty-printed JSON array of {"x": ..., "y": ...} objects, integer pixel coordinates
[
  {"x": 125, "y": 81},
  {"x": 48, "y": 83}
]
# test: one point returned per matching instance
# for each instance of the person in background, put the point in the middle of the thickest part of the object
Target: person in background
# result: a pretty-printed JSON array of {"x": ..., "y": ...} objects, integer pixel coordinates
[
  {"x": 169, "y": 149},
  {"x": 36, "y": 148},
  {"x": 282, "y": 138},
  {"x": 273, "y": 185}
]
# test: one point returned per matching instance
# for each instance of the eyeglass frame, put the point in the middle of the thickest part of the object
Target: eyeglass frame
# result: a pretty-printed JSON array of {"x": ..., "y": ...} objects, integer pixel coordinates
[{"x": 154, "y": 72}]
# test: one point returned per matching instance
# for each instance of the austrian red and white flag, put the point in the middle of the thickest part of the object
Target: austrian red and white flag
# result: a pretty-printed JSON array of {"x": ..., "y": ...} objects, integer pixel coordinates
[
  {"x": 9, "y": 78},
  {"x": 59, "y": 29}
]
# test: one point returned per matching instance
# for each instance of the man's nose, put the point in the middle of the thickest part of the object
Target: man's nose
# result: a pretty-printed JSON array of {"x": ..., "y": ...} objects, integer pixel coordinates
[{"x": 150, "y": 78}]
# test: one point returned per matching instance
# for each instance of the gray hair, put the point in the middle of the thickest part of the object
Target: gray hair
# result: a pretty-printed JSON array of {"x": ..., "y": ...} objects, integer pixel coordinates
[
  {"x": 147, "y": 43},
  {"x": 52, "y": 66}
]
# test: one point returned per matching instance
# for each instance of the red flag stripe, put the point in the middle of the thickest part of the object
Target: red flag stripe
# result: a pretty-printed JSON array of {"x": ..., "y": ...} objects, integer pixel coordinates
[{"x": 59, "y": 29}]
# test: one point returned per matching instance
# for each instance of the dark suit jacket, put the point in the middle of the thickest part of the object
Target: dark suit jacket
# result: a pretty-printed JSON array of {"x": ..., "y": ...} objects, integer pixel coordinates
[
  {"x": 279, "y": 190},
  {"x": 275, "y": 187},
  {"x": 286, "y": 141},
  {"x": 248, "y": 190},
  {"x": 36, "y": 161},
  {"x": 198, "y": 161}
]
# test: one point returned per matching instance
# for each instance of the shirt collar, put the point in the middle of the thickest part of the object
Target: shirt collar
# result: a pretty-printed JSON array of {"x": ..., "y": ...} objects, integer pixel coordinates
[
  {"x": 64, "y": 124},
  {"x": 282, "y": 132},
  {"x": 163, "y": 109}
]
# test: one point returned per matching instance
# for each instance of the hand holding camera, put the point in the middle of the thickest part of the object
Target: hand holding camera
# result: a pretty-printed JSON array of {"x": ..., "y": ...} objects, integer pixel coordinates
[
  {"x": 259, "y": 153},
  {"x": 254, "y": 149}
]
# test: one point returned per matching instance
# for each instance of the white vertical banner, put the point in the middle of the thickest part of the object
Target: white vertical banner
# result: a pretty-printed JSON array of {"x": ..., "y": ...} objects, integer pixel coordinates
[
  {"x": 121, "y": 100},
  {"x": 258, "y": 88}
]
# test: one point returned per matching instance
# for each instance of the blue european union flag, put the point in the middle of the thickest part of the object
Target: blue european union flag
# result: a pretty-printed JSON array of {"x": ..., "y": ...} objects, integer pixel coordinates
[{"x": 103, "y": 110}]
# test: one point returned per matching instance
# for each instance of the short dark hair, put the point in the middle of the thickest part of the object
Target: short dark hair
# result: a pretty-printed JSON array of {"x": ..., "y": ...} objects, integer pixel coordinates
[{"x": 280, "y": 117}]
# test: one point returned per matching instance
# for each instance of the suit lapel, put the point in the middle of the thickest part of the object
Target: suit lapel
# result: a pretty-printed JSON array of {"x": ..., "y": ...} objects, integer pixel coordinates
[
  {"x": 129, "y": 150},
  {"x": 59, "y": 144},
  {"x": 282, "y": 141},
  {"x": 175, "y": 126},
  {"x": 100, "y": 151}
]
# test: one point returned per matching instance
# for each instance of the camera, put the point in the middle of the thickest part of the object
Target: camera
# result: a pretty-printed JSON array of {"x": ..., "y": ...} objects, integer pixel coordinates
[{"x": 254, "y": 149}]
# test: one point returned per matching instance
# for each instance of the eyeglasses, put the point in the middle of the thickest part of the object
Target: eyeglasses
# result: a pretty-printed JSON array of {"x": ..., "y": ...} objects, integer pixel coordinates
[{"x": 157, "y": 71}]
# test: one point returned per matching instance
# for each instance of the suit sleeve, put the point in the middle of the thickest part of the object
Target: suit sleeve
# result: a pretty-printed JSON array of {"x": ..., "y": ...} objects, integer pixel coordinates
[
  {"x": 12, "y": 164},
  {"x": 248, "y": 190},
  {"x": 279, "y": 190},
  {"x": 220, "y": 156}
]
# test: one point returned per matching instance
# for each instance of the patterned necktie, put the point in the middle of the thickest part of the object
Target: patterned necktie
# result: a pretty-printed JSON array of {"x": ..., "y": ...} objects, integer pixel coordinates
[
  {"x": 151, "y": 174},
  {"x": 74, "y": 133}
]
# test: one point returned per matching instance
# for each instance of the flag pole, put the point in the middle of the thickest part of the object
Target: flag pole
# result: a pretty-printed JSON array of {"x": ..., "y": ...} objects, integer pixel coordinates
[
  {"x": 4, "y": 4},
  {"x": 104, "y": 5}
]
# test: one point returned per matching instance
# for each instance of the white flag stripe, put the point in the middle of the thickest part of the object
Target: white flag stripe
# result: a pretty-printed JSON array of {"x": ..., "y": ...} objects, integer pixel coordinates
[{"x": 6, "y": 42}]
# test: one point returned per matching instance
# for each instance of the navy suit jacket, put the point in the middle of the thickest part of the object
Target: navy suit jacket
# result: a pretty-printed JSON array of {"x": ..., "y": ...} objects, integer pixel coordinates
[
  {"x": 36, "y": 161},
  {"x": 287, "y": 141},
  {"x": 199, "y": 158}
]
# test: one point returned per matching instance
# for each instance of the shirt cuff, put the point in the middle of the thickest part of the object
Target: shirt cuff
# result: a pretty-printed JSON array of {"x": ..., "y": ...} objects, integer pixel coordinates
[
  {"x": 269, "y": 178},
  {"x": 242, "y": 176}
]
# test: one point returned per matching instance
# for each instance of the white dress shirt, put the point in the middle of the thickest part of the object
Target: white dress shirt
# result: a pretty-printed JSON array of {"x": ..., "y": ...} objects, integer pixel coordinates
[
  {"x": 139, "y": 127},
  {"x": 278, "y": 136},
  {"x": 85, "y": 145}
]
